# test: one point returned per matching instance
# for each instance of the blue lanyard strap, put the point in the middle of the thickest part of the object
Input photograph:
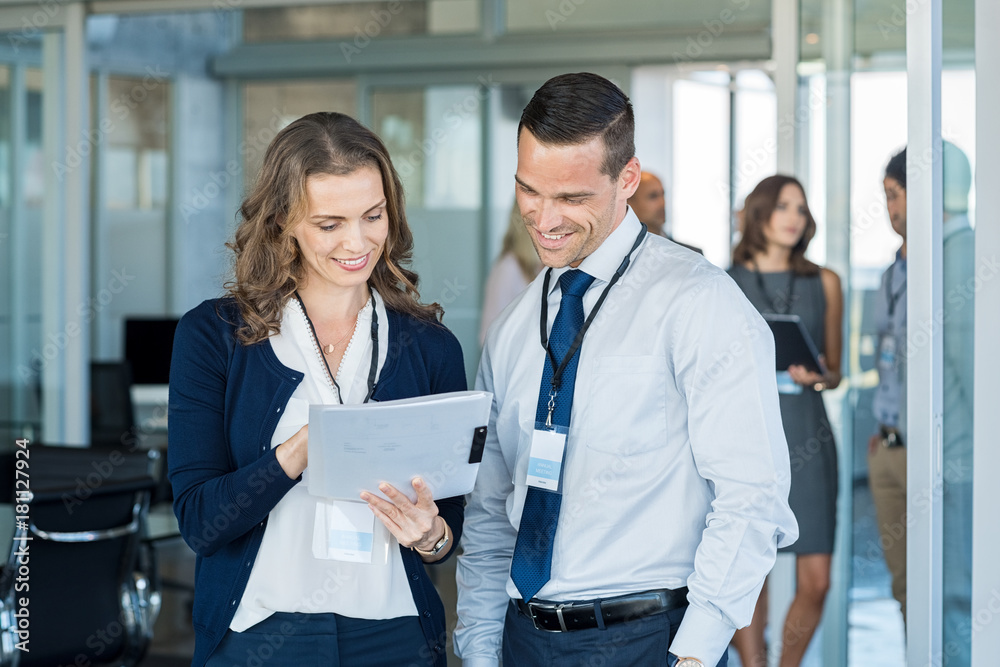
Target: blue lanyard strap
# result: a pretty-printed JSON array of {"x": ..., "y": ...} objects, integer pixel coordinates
[{"x": 890, "y": 297}]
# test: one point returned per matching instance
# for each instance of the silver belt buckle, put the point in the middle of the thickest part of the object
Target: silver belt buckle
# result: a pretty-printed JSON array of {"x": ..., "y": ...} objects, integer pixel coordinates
[
  {"x": 890, "y": 438},
  {"x": 532, "y": 606}
]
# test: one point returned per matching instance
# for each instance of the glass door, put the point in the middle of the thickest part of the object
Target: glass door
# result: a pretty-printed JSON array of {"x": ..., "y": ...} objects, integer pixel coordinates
[
  {"x": 962, "y": 278},
  {"x": 434, "y": 134}
]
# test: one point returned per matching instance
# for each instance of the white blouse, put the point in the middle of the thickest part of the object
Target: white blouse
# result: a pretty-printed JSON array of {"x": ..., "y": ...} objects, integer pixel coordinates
[{"x": 286, "y": 577}]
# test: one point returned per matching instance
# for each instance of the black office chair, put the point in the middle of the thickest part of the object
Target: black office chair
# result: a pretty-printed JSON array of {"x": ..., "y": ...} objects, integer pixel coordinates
[
  {"x": 113, "y": 419},
  {"x": 89, "y": 593}
]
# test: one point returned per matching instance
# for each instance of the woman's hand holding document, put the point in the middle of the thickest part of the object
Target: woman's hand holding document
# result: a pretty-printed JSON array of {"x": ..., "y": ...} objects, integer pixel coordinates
[{"x": 355, "y": 449}]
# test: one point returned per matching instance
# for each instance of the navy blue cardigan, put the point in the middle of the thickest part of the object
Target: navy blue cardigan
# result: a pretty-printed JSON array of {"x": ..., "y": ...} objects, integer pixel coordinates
[{"x": 225, "y": 401}]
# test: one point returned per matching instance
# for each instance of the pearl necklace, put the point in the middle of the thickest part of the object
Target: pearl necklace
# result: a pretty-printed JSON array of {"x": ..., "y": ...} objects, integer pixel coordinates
[{"x": 319, "y": 350}]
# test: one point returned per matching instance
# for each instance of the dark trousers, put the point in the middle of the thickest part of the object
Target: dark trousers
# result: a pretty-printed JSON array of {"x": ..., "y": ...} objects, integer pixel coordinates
[
  {"x": 325, "y": 640},
  {"x": 644, "y": 641}
]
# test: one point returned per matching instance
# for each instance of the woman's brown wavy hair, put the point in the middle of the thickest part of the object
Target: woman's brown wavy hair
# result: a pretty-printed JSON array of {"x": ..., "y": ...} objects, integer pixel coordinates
[
  {"x": 757, "y": 210},
  {"x": 268, "y": 264}
]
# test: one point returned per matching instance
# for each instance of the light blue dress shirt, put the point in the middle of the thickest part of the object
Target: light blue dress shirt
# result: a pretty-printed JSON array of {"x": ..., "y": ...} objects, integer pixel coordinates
[
  {"x": 676, "y": 468},
  {"x": 889, "y": 405}
]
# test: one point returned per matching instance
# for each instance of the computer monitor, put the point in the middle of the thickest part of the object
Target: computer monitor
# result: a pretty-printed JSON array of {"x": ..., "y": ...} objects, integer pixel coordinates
[{"x": 149, "y": 343}]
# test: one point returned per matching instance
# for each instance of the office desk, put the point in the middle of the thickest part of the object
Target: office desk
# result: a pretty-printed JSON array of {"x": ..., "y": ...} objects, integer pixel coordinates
[{"x": 150, "y": 404}]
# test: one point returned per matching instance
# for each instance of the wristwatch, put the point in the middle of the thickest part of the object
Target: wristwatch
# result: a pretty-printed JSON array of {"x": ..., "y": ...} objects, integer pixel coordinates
[
  {"x": 441, "y": 544},
  {"x": 689, "y": 662}
]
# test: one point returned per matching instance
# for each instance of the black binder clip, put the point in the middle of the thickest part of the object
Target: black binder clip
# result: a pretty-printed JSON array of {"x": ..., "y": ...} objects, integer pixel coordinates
[{"x": 478, "y": 445}]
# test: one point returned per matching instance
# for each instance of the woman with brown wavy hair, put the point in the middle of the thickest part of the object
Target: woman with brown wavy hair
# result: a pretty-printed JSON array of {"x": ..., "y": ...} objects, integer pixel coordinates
[
  {"x": 322, "y": 309},
  {"x": 770, "y": 266}
]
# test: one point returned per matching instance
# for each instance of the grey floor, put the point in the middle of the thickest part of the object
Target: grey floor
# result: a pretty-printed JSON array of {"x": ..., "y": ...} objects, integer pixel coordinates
[{"x": 875, "y": 623}]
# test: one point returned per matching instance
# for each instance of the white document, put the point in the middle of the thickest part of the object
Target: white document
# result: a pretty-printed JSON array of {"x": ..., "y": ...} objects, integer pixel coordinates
[
  {"x": 354, "y": 448},
  {"x": 545, "y": 460}
]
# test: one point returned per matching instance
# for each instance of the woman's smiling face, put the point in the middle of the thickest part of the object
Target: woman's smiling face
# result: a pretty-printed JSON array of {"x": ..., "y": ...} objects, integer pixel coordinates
[{"x": 345, "y": 228}]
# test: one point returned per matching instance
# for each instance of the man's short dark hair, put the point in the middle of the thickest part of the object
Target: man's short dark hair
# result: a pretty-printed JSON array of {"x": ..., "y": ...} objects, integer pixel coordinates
[
  {"x": 572, "y": 109},
  {"x": 896, "y": 169}
]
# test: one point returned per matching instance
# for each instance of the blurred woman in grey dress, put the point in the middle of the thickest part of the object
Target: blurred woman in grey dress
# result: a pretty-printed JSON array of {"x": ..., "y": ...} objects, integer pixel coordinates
[{"x": 770, "y": 267}]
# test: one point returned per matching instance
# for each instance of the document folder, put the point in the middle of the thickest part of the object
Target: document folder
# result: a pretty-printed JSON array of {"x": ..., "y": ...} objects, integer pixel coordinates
[{"x": 440, "y": 438}]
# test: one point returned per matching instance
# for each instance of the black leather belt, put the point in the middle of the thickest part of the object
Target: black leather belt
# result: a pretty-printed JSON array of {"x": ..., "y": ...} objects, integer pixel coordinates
[
  {"x": 891, "y": 437},
  {"x": 569, "y": 616}
]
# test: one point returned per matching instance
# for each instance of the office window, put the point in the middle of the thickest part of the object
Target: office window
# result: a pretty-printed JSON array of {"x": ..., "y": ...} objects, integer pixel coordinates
[
  {"x": 714, "y": 17},
  {"x": 701, "y": 204},
  {"x": 135, "y": 127},
  {"x": 433, "y": 136},
  {"x": 880, "y": 26},
  {"x": 268, "y": 107},
  {"x": 361, "y": 22}
]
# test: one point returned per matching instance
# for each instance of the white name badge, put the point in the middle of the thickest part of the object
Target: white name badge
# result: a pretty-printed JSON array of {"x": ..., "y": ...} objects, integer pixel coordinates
[
  {"x": 786, "y": 385},
  {"x": 545, "y": 459},
  {"x": 343, "y": 531},
  {"x": 887, "y": 353}
]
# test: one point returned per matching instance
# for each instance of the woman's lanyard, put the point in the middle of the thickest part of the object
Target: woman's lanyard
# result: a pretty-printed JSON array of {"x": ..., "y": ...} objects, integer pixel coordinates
[
  {"x": 559, "y": 368},
  {"x": 891, "y": 298},
  {"x": 770, "y": 297},
  {"x": 372, "y": 369}
]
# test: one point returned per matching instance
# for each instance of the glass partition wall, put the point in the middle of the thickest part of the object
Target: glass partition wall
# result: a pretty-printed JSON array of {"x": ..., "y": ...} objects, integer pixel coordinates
[
  {"x": 22, "y": 185},
  {"x": 961, "y": 277},
  {"x": 875, "y": 81}
]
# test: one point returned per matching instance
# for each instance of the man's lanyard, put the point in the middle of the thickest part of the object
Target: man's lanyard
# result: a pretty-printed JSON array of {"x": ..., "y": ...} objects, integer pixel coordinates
[
  {"x": 559, "y": 368},
  {"x": 763, "y": 291},
  {"x": 372, "y": 369},
  {"x": 891, "y": 298}
]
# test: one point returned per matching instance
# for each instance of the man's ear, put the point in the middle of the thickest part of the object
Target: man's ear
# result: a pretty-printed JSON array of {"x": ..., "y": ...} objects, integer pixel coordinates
[{"x": 630, "y": 176}]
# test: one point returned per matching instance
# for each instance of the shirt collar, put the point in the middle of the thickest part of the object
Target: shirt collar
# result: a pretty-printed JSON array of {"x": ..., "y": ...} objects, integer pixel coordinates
[
  {"x": 955, "y": 224},
  {"x": 603, "y": 262}
]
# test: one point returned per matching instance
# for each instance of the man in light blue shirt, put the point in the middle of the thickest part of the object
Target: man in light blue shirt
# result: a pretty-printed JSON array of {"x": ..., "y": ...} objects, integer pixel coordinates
[
  {"x": 886, "y": 451},
  {"x": 672, "y": 469}
]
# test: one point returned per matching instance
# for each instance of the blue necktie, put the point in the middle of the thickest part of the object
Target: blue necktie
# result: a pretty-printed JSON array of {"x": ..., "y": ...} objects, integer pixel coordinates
[{"x": 532, "y": 563}]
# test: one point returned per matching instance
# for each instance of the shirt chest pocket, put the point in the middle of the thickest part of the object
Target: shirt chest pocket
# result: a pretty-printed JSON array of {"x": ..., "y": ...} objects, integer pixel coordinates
[{"x": 627, "y": 411}]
